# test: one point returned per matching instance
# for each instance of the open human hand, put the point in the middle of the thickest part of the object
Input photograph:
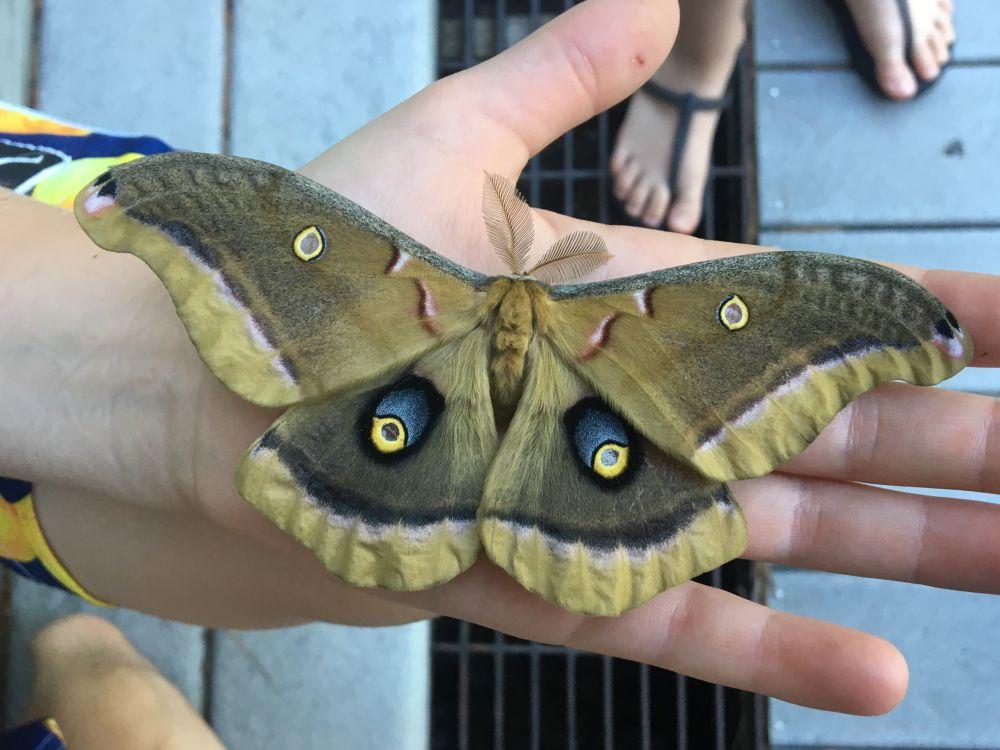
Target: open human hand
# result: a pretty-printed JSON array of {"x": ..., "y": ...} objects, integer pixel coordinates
[{"x": 420, "y": 167}]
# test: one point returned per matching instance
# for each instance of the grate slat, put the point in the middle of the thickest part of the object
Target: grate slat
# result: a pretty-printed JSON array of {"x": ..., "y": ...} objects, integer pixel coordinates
[
  {"x": 463, "y": 686},
  {"x": 498, "y": 688},
  {"x": 536, "y": 699},
  {"x": 608, "y": 703},
  {"x": 682, "y": 712},
  {"x": 645, "y": 719},
  {"x": 571, "y": 741}
]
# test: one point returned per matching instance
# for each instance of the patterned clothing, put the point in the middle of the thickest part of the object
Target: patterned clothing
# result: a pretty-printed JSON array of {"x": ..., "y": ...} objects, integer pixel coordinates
[
  {"x": 43, "y": 734},
  {"x": 51, "y": 160}
]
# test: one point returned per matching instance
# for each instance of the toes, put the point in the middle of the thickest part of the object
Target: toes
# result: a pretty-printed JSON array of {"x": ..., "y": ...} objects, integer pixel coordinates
[
  {"x": 618, "y": 160},
  {"x": 656, "y": 209},
  {"x": 685, "y": 214},
  {"x": 895, "y": 78},
  {"x": 626, "y": 178},
  {"x": 924, "y": 62},
  {"x": 637, "y": 199},
  {"x": 939, "y": 48},
  {"x": 945, "y": 27}
]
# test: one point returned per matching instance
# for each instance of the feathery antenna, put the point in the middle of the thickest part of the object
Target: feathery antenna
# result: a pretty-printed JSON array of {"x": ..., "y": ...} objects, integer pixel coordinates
[
  {"x": 511, "y": 232},
  {"x": 572, "y": 256},
  {"x": 508, "y": 221}
]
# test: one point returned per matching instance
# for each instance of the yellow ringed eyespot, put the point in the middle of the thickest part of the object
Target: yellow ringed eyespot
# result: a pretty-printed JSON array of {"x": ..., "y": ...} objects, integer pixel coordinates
[
  {"x": 309, "y": 243},
  {"x": 610, "y": 460},
  {"x": 388, "y": 434},
  {"x": 733, "y": 313}
]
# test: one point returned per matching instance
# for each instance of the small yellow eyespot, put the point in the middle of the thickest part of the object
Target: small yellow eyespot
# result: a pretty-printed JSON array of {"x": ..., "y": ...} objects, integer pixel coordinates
[
  {"x": 388, "y": 434},
  {"x": 733, "y": 313},
  {"x": 309, "y": 243},
  {"x": 610, "y": 459}
]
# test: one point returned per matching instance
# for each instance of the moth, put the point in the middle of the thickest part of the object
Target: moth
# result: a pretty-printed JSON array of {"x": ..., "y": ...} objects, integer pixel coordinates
[{"x": 580, "y": 434}]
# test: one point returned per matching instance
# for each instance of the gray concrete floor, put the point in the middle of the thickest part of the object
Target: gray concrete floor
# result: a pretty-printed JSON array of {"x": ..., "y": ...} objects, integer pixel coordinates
[{"x": 842, "y": 171}]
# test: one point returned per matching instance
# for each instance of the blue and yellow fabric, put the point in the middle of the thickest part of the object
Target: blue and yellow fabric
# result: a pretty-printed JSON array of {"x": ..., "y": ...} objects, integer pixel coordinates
[
  {"x": 49, "y": 160},
  {"x": 23, "y": 547},
  {"x": 43, "y": 734}
]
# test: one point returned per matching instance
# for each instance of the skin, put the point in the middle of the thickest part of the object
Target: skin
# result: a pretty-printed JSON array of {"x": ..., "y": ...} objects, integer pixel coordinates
[
  {"x": 702, "y": 60},
  {"x": 106, "y": 695},
  {"x": 132, "y": 442},
  {"x": 882, "y": 32}
]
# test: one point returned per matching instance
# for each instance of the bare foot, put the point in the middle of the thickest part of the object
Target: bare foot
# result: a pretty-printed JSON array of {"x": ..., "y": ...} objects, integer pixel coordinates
[
  {"x": 105, "y": 694},
  {"x": 711, "y": 35},
  {"x": 882, "y": 30}
]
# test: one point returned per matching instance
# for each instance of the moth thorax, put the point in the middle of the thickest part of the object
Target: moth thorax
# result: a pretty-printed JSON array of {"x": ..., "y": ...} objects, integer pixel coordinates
[{"x": 512, "y": 328}]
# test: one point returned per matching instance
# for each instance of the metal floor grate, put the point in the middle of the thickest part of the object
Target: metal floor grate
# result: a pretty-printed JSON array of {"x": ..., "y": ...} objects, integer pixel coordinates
[{"x": 490, "y": 690}]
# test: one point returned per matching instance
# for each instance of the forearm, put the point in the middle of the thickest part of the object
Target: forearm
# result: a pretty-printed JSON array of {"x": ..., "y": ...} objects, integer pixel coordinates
[
  {"x": 97, "y": 381},
  {"x": 182, "y": 566},
  {"x": 63, "y": 374}
]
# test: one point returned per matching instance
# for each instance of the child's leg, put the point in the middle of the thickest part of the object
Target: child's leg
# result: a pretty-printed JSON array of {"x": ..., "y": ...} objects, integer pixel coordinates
[{"x": 105, "y": 695}]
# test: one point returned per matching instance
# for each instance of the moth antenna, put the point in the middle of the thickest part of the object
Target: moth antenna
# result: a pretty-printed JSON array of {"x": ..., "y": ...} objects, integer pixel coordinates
[
  {"x": 572, "y": 256},
  {"x": 508, "y": 221}
]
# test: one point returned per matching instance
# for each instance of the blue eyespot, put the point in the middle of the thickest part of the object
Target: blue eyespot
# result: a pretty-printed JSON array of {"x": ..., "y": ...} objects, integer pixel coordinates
[
  {"x": 602, "y": 442},
  {"x": 400, "y": 418}
]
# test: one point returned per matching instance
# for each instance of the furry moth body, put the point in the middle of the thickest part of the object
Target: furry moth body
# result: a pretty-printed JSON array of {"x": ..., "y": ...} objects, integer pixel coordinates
[{"x": 580, "y": 434}]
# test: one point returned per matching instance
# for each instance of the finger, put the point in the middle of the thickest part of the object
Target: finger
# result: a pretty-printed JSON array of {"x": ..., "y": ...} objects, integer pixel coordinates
[
  {"x": 971, "y": 296},
  {"x": 581, "y": 63},
  {"x": 699, "y": 631},
  {"x": 908, "y": 435},
  {"x": 639, "y": 250},
  {"x": 860, "y": 530}
]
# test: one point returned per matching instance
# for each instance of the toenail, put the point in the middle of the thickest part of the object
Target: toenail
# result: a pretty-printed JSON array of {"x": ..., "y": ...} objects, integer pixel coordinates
[{"x": 903, "y": 85}]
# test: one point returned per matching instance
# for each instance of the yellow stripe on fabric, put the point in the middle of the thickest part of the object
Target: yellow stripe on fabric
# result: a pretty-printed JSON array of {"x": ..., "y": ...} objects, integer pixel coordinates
[
  {"x": 53, "y": 726},
  {"x": 13, "y": 543},
  {"x": 25, "y": 121},
  {"x": 33, "y": 535},
  {"x": 62, "y": 182}
]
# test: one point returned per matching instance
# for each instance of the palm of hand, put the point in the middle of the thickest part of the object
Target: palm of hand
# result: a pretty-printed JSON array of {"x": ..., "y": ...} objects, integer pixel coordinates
[{"x": 420, "y": 167}]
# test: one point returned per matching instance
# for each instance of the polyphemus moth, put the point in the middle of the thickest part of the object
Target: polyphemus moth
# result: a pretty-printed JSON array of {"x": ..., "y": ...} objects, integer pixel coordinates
[{"x": 581, "y": 434}]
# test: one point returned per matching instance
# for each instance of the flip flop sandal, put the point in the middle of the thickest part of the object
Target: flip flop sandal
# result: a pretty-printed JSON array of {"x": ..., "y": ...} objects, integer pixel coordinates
[
  {"x": 687, "y": 105},
  {"x": 862, "y": 60}
]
